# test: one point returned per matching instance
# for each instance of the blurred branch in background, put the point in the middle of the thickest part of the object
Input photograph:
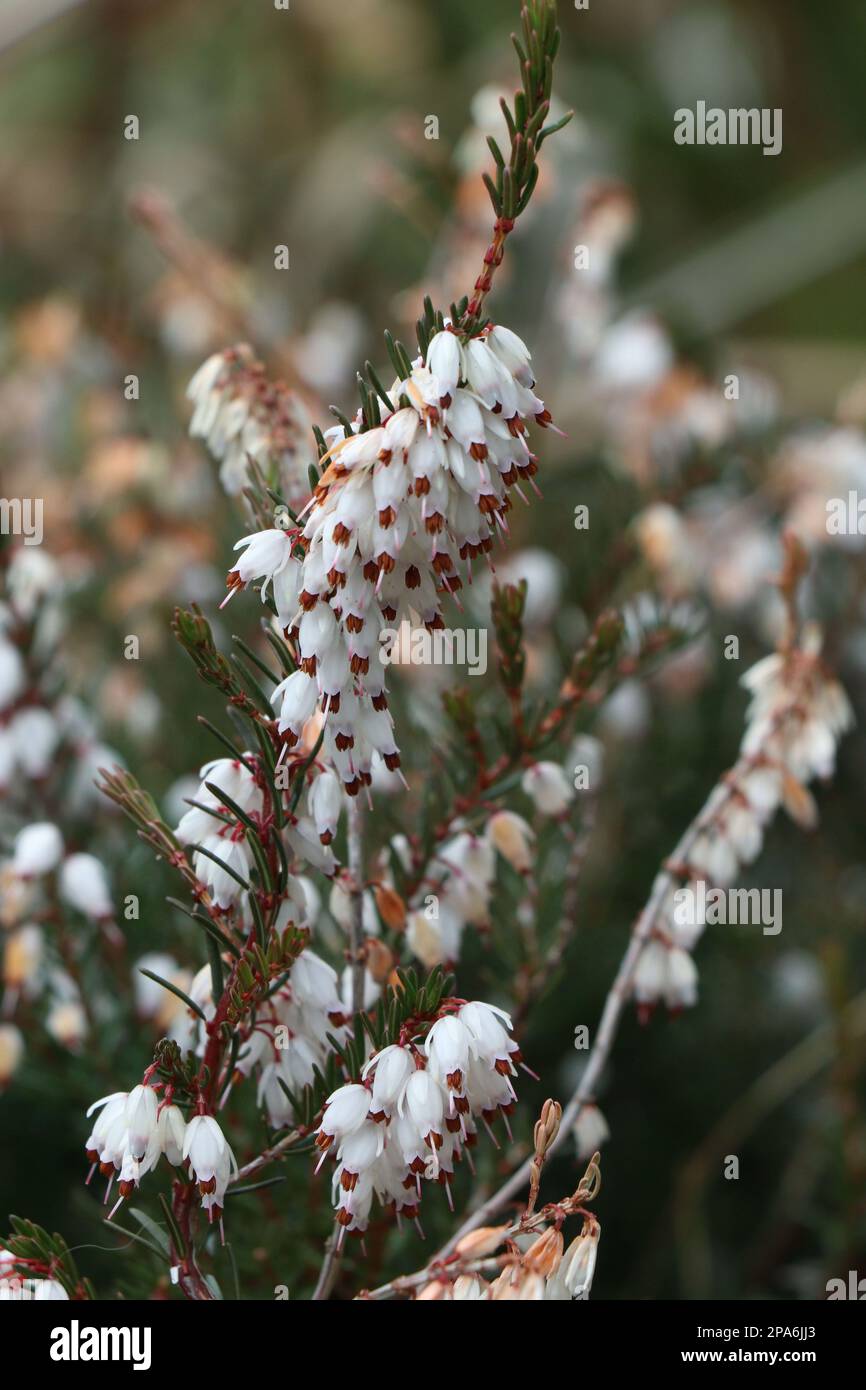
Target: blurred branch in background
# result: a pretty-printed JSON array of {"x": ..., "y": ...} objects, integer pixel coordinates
[
  {"x": 18, "y": 22},
  {"x": 808, "y": 235}
]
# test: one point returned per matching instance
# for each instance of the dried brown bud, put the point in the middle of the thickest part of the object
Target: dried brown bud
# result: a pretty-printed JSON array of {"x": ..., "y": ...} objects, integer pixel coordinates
[
  {"x": 392, "y": 908},
  {"x": 380, "y": 961},
  {"x": 481, "y": 1242},
  {"x": 547, "y": 1126},
  {"x": 543, "y": 1257}
]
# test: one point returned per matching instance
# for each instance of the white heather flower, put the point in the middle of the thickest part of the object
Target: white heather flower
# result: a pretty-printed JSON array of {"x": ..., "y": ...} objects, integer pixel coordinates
[
  {"x": 393, "y": 1067},
  {"x": 512, "y": 353},
  {"x": 346, "y": 1109},
  {"x": 13, "y": 675},
  {"x": 107, "y": 1140},
  {"x": 84, "y": 885},
  {"x": 548, "y": 787},
  {"x": 681, "y": 984},
  {"x": 141, "y": 1119},
  {"x": 304, "y": 893},
  {"x": 31, "y": 578},
  {"x": 359, "y": 1151},
  {"x": 66, "y": 1022},
  {"x": 48, "y": 1291},
  {"x": 38, "y": 849},
  {"x": 488, "y": 1027},
  {"x": 448, "y": 1047},
  {"x": 713, "y": 857},
  {"x": 513, "y": 838},
  {"x": 233, "y": 854},
  {"x": 171, "y": 1133},
  {"x": 211, "y": 1160},
  {"x": 314, "y": 983},
  {"x": 578, "y": 1265},
  {"x": 325, "y": 802},
  {"x": 590, "y": 1131},
  {"x": 445, "y": 360},
  {"x": 265, "y": 555},
  {"x": 297, "y": 695},
  {"x": 241, "y": 416},
  {"x": 423, "y": 1102},
  {"x": 230, "y": 776},
  {"x": 11, "y": 1052},
  {"x": 762, "y": 788},
  {"x": 650, "y": 976},
  {"x": 353, "y": 1202},
  {"x": 742, "y": 828},
  {"x": 470, "y": 866},
  {"x": 35, "y": 735}
]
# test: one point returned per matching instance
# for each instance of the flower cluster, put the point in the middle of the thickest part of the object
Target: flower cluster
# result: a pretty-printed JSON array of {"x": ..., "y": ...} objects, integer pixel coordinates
[
  {"x": 291, "y": 1035},
  {"x": 242, "y": 416},
  {"x": 30, "y": 732},
  {"x": 132, "y": 1132},
  {"x": 222, "y": 854},
  {"x": 796, "y": 716},
  {"x": 397, "y": 511},
  {"x": 413, "y": 1115},
  {"x": 461, "y": 876},
  {"x": 48, "y": 756},
  {"x": 543, "y": 1269}
]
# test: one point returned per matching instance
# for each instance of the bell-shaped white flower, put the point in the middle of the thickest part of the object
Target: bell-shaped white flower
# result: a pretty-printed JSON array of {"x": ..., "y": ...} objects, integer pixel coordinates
[
  {"x": 171, "y": 1132},
  {"x": 38, "y": 849},
  {"x": 445, "y": 360},
  {"x": 84, "y": 885},
  {"x": 512, "y": 836},
  {"x": 325, "y": 801},
  {"x": 141, "y": 1119},
  {"x": 449, "y": 1045},
  {"x": 549, "y": 788},
  {"x": 346, "y": 1109},
  {"x": 210, "y": 1157},
  {"x": 393, "y": 1067}
]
